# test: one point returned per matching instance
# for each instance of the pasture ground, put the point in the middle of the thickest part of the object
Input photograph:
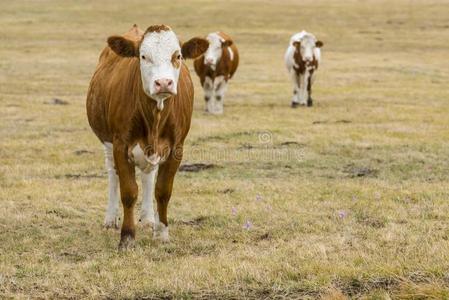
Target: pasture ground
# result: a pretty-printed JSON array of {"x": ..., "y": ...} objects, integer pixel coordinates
[{"x": 345, "y": 199}]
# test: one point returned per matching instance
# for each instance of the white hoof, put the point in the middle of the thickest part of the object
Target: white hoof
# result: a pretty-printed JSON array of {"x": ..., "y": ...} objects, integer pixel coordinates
[
  {"x": 111, "y": 222},
  {"x": 160, "y": 233},
  {"x": 146, "y": 219}
]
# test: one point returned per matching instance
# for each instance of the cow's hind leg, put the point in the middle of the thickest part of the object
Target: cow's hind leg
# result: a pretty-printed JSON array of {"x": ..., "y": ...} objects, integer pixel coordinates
[
  {"x": 309, "y": 90},
  {"x": 208, "y": 87},
  {"x": 220, "y": 85},
  {"x": 128, "y": 193},
  {"x": 164, "y": 187},
  {"x": 112, "y": 218},
  {"x": 148, "y": 186}
]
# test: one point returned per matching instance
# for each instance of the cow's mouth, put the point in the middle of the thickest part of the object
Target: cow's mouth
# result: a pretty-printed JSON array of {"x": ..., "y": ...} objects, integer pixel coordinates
[
  {"x": 164, "y": 94},
  {"x": 211, "y": 65}
]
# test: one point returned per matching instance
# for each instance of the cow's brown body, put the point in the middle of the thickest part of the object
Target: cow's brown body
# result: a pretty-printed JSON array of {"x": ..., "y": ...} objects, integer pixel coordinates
[
  {"x": 300, "y": 69},
  {"x": 225, "y": 67},
  {"x": 302, "y": 59},
  {"x": 120, "y": 113},
  {"x": 214, "y": 79}
]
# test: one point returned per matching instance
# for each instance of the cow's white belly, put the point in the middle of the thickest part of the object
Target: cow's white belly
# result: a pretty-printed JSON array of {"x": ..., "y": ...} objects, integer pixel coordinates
[{"x": 143, "y": 162}]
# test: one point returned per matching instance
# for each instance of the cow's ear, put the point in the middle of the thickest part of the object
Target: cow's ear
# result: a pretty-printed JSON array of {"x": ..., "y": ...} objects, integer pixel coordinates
[
  {"x": 194, "y": 47},
  {"x": 123, "y": 47},
  {"x": 227, "y": 43},
  {"x": 297, "y": 44},
  {"x": 319, "y": 44}
]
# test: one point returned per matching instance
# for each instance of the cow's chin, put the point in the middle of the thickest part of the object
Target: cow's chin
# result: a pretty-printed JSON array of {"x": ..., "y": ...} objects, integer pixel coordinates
[
  {"x": 211, "y": 66},
  {"x": 160, "y": 98}
]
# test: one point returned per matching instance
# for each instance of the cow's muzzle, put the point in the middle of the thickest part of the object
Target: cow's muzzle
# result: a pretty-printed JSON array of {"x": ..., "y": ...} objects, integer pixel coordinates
[{"x": 164, "y": 86}]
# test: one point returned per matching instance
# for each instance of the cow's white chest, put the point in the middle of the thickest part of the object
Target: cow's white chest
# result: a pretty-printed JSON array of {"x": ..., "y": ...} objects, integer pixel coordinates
[{"x": 143, "y": 162}]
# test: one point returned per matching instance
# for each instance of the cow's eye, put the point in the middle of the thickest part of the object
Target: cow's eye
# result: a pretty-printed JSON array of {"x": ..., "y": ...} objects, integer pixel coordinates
[
  {"x": 178, "y": 57},
  {"x": 143, "y": 56}
]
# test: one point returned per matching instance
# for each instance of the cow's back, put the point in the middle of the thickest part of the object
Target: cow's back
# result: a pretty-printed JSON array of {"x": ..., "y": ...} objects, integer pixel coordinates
[
  {"x": 107, "y": 87},
  {"x": 235, "y": 61},
  {"x": 111, "y": 93}
]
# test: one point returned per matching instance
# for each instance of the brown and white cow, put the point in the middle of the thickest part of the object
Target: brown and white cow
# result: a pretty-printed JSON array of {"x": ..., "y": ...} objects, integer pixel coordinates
[
  {"x": 139, "y": 105},
  {"x": 215, "y": 68},
  {"x": 302, "y": 59}
]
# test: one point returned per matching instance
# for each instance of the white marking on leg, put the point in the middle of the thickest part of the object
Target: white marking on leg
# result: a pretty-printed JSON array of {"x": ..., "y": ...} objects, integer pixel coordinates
[
  {"x": 148, "y": 187},
  {"x": 209, "y": 93},
  {"x": 220, "y": 86},
  {"x": 112, "y": 212},
  {"x": 160, "y": 232},
  {"x": 295, "y": 80},
  {"x": 303, "y": 93}
]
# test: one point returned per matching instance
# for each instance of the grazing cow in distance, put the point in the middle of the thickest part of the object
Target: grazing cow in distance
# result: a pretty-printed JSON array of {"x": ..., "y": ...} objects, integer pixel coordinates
[
  {"x": 215, "y": 68},
  {"x": 139, "y": 104},
  {"x": 302, "y": 59}
]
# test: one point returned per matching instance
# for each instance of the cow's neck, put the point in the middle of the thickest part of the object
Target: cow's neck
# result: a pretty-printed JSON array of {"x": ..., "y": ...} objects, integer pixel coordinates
[{"x": 154, "y": 121}]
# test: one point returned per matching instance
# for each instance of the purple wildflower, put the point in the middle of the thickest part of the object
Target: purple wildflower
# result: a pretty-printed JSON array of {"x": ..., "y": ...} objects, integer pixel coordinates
[
  {"x": 248, "y": 225},
  {"x": 234, "y": 211},
  {"x": 342, "y": 214}
]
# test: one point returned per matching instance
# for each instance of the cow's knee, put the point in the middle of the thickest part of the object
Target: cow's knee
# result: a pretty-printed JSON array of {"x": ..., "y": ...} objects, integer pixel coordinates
[{"x": 129, "y": 194}]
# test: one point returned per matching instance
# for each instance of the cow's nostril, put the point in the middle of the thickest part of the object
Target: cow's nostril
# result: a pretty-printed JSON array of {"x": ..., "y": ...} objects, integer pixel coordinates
[{"x": 163, "y": 85}]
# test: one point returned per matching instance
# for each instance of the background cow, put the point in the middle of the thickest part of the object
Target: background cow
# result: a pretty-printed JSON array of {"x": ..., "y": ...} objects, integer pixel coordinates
[
  {"x": 215, "y": 68},
  {"x": 139, "y": 105},
  {"x": 302, "y": 59}
]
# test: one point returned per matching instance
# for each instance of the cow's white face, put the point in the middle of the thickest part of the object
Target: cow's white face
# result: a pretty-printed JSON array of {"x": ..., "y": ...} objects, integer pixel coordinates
[
  {"x": 308, "y": 44},
  {"x": 160, "y": 64},
  {"x": 160, "y": 54},
  {"x": 213, "y": 53}
]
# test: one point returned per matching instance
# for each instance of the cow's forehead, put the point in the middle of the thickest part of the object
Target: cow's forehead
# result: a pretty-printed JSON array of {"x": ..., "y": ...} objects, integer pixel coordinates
[
  {"x": 308, "y": 40},
  {"x": 214, "y": 38},
  {"x": 159, "y": 44}
]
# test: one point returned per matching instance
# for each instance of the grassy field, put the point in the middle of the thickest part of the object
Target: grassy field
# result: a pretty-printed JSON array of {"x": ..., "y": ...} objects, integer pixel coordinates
[{"x": 345, "y": 199}]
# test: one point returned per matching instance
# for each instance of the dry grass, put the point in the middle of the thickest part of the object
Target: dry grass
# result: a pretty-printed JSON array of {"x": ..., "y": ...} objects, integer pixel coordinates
[{"x": 356, "y": 205}]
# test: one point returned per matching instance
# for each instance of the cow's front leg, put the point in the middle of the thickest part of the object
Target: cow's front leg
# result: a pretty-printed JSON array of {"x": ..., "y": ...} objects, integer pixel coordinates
[
  {"x": 164, "y": 186},
  {"x": 309, "y": 89},
  {"x": 111, "y": 219},
  {"x": 296, "y": 85},
  {"x": 220, "y": 85},
  {"x": 128, "y": 193},
  {"x": 148, "y": 186},
  {"x": 303, "y": 94},
  {"x": 208, "y": 87}
]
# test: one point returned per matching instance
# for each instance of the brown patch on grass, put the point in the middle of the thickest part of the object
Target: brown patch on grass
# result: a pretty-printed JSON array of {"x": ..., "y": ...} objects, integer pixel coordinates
[
  {"x": 196, "y": 167},
  {"x": 57, "y": 101},
  {"x": 357, "y": 171}
]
